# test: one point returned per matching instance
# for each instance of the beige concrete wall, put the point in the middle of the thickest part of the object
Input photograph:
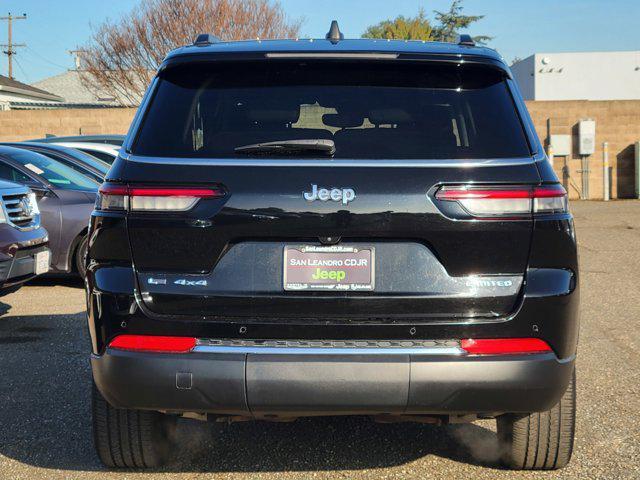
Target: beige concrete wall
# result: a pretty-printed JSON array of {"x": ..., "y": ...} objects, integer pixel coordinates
[
  {"x": 617, "y": 122},
  {"x": 26, "y": 124}
]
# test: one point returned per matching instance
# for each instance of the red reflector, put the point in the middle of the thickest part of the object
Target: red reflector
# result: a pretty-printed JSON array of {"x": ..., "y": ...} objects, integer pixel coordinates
[
  {"x": 149, "y": 343},
  {"x": 504, "y": 346},
  {"x": 175, "y": 192}
]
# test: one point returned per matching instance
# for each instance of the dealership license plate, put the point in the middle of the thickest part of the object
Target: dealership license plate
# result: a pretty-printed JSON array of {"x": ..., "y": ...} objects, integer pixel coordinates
[
  {"x": 41, "y": 261},
  {"x": 331, "y": 268}
]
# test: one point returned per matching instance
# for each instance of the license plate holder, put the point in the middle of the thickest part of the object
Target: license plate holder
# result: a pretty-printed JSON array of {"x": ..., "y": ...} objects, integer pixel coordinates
[
  {"x": 328, "y": 268},
  {"x": 41, "y": 262}
]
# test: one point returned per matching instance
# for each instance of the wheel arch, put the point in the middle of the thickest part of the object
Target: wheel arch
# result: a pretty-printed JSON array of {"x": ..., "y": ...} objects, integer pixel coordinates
[{"x": 73, "y": 248}]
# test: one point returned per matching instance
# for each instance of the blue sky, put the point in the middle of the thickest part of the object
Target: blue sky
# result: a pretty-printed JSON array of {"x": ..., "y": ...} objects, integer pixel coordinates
[{"x": 520, "y": 27}]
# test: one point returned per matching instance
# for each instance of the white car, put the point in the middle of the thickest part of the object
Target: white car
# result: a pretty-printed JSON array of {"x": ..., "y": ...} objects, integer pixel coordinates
[{"x": 104, "y": 151}]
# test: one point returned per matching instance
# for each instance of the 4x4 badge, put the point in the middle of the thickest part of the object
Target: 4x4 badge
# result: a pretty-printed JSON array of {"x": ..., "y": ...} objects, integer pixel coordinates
[
  {"x": 345, "y": 195},
  {"x": 191, "y": 283}
]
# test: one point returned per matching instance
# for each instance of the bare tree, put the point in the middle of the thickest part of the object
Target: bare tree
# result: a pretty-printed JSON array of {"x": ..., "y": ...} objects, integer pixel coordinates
[{"x": 122, "y": 56}]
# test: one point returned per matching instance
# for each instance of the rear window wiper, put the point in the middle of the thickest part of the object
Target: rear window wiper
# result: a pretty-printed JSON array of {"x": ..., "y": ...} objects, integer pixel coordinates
[{"x": 291, "y": 147}]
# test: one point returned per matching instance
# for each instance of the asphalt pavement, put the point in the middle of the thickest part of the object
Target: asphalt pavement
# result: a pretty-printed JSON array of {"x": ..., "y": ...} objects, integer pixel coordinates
[{"x": 45, "y": 427}]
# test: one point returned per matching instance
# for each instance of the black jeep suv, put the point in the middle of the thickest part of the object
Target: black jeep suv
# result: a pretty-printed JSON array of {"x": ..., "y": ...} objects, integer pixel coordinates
[{"x": 332, "y": 227}]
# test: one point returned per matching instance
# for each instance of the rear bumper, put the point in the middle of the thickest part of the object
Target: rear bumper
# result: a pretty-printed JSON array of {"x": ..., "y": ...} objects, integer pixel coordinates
[{"x": 306, "y": 383}]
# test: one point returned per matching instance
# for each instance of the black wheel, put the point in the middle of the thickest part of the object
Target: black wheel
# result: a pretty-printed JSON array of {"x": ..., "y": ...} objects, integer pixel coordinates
[
  {"x": 540, "y": 441},
  {"x": 81, "y": 256},
  {"x": 130, "y": 438}
]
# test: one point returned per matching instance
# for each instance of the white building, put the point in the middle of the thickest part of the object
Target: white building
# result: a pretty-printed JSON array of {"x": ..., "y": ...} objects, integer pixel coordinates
[{"x": 579, "y": 76}]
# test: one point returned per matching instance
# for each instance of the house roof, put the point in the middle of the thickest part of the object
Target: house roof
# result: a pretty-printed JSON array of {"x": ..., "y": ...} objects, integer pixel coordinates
[
  {"x": 69, "y": 86},
  {"x": 13, "y": 86}
]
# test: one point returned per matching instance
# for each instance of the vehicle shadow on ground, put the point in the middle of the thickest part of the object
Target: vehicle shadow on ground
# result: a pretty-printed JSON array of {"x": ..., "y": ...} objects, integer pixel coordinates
[
  {"x": 45, "y": 419},
  {"x": 70, "y": 281},
  {"x": 4, "y": 308}
]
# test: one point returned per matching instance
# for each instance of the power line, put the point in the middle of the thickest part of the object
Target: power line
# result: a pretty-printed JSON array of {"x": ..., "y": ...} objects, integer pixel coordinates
[
  {"x": 10, "y": 46},
  {"x": 24, "y": 74},
  {"x": 45, "y": 59}
]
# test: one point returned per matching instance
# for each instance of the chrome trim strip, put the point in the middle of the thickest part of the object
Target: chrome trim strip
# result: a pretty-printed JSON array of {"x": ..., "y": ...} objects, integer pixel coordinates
[
  {"x": 339, "y": 162},
  {"x": 329, "y": 350}
]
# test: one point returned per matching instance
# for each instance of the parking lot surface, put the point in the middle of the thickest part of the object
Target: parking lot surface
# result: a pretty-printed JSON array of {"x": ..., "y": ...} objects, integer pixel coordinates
[{"x": 45, "y": 427}]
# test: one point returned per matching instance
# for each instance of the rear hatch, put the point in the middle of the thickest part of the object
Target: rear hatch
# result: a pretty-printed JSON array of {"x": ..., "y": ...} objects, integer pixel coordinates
[{"x": 344, "y": 226}]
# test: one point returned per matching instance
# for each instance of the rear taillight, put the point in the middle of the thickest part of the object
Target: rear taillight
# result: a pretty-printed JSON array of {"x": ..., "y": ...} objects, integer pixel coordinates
[
  {"x": 149, "y": 343},
  {"x": 150, "y": 199},
  {"x": 504, "y": 346},
  {"x": 506, "y": 201},
  {"x": 549, "y": 199},
  {"x": 112, "y": 197}
]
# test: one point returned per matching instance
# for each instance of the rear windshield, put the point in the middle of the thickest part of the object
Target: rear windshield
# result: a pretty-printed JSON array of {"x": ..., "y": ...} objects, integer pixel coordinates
[{"x": 370, "y": 110}]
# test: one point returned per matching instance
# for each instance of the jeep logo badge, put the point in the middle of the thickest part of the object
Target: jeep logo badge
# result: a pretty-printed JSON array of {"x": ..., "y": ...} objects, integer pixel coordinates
[{"x": 344, "y": 195}]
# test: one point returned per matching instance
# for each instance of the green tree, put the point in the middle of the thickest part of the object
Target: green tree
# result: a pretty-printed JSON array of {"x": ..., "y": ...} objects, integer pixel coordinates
[
  {"x": 452, "y": 21},
  {"x": 402, "y": 28},
  {"x": 446, "y": 29}
]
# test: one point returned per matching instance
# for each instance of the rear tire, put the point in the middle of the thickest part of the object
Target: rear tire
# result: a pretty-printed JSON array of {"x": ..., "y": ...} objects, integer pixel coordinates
[
  {"x": 541, "y": 440},
  {"x": 81, "y": 256},
  {"x": 127, "y": 438}
]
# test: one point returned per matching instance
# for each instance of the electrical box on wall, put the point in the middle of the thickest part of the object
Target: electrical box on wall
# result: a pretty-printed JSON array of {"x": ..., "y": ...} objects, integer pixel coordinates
[
  {"x": 561, "y": 145},
  {"x": 587, "y": 137}
]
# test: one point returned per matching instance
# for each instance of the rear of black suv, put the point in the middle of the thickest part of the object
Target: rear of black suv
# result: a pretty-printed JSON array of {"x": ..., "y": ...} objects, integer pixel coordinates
[{"x": 301, "y": 228}]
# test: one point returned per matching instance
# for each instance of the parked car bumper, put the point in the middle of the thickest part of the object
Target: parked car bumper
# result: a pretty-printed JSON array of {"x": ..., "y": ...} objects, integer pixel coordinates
[{"x": 18, "y": 255}]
